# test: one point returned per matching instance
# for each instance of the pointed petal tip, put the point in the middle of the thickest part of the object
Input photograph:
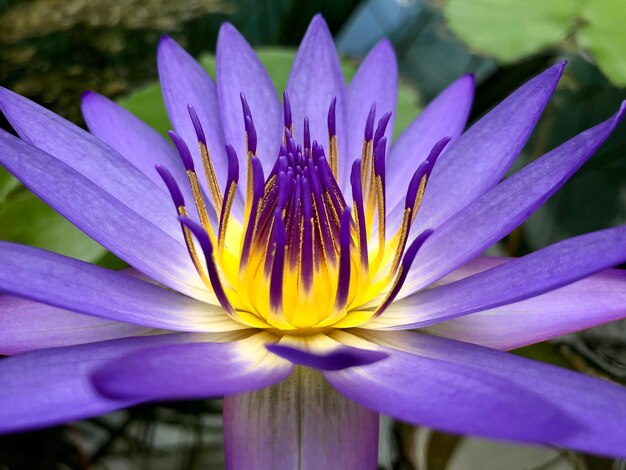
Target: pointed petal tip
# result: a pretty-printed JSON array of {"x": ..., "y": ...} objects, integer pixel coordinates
[
  {"x": 167, "y": 45},
  {"x": 384, "y": 46},
  {"x": 555, "y": 70},
  {"x": 87, "y": 94},
  {"x": 227, "y": 28},
  {"x": 465, "y": 85},
  {"x": 318, "y": 23},
  {"x": 318, "y": 17},
  {"x": 166, "y": 48},
  {"x": 613, "y": 121},
  {"x": 5, "y": 93},
  {"x": 617, "y": 117},
  {"x": 228, "y": 38},
  {"x": 549, "y": 78},
  {"x": 560, "y": 66},
  {"x": 469, "y": 78},
  {"x": 165, "y": 38},
  {"x": 8, "y": 100}
]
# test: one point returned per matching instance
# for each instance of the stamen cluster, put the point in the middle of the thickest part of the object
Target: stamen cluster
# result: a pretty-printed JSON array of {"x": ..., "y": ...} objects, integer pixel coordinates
[{"x": 301, "y": 260}]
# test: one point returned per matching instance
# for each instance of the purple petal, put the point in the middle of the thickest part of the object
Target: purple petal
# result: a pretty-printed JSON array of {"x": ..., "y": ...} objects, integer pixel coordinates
[
  {"x": 483, "y": 154},
  {"x": 449, "y": 396},
  {"x": 132, "y": 138},
  {"x": 503, "y": 208},
  {"x": 542, "y": 271},
  {"x": 300, "y": 423},
  {"x": 28, "y": 325},
  {"x": 184, "y": 82},
  {"x": 589, "y": 302},
  {"x": 198, "y": 370},
  {"x": 96, "y": 162},
  {"x": 81, "y": 287},
  {"x": 52, "y": 386},
  {"x": 124, "y": 232},
  {"x": 595, "y": 409},
  {"x": 339, "y": 358},
  {"x": 316, "y": 78},
  {"x": 376, "y": 80},
  {"x": 445, "y": 116},
  {"x": 476, "y": 265},
  {"x": 239, "y": 70}
]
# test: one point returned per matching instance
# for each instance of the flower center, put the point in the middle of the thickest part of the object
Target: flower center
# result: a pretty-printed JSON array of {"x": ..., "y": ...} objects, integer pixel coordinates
[{"x": 302, "y": 260}]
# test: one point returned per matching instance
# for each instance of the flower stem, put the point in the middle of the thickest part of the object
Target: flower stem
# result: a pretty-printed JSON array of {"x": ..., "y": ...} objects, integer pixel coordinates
[{"x": 299, "y": 423}]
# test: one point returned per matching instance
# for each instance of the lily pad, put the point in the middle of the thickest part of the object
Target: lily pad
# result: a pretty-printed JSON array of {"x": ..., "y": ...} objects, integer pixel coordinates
[
  {"x": 603, "y": 34},
  {"x": 509, "y": 29}
]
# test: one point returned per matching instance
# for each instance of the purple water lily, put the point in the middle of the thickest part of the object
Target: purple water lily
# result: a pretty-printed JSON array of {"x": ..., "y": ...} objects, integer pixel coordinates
[{"x": 289, "y": 290}]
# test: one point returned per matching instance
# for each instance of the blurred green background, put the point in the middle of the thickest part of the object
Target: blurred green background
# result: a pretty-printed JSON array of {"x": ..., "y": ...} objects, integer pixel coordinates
[{"x": 52, "y": 50}]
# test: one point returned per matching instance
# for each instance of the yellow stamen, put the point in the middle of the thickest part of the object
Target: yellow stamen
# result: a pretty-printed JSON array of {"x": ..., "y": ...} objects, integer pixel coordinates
[
  {"x": 331, "y": 207},
  {"x": 380, "y": 202},
  {"x": 200, "y": 205},
  {"x": 230, "y": 197},
  {"x": 390, "y": 291},
  {"x": 334, "y": 163},
  {"x": 193, "y": 253},
  {"x": 209, "y": 174},
  {"x": 401, "y": 235},
  {"x": 419, "y": 196},
  {"x": 249, "y": 185}
]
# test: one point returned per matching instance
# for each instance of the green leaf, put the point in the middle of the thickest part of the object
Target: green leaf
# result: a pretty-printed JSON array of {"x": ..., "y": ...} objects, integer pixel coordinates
[
  {"x": 604, "y": 35},
  {"x": 544, "y": 352},
  {"x": 407, "y": 109},
  {"x": 27, "y": 220},
  {"x": 147, "y": 103},
  {"x": 511, "y": 29},
  {"x": 7, "y": 184},
  {"x": 278, "y": 62}
]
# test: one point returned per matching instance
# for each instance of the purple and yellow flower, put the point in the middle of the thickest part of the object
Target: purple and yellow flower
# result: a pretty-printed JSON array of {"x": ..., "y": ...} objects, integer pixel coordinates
[{"x": 289, "y": 258}]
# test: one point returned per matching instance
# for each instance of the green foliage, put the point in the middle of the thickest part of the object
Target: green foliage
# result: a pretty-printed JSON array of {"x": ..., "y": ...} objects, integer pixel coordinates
[
  {"x": 604, "y": 35},
  {"x": 7, "y": 184},
  {"x": 407, "y": 109},
  {"x": 511, "y": 30},
  {"x": 27, "y": 220}
]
